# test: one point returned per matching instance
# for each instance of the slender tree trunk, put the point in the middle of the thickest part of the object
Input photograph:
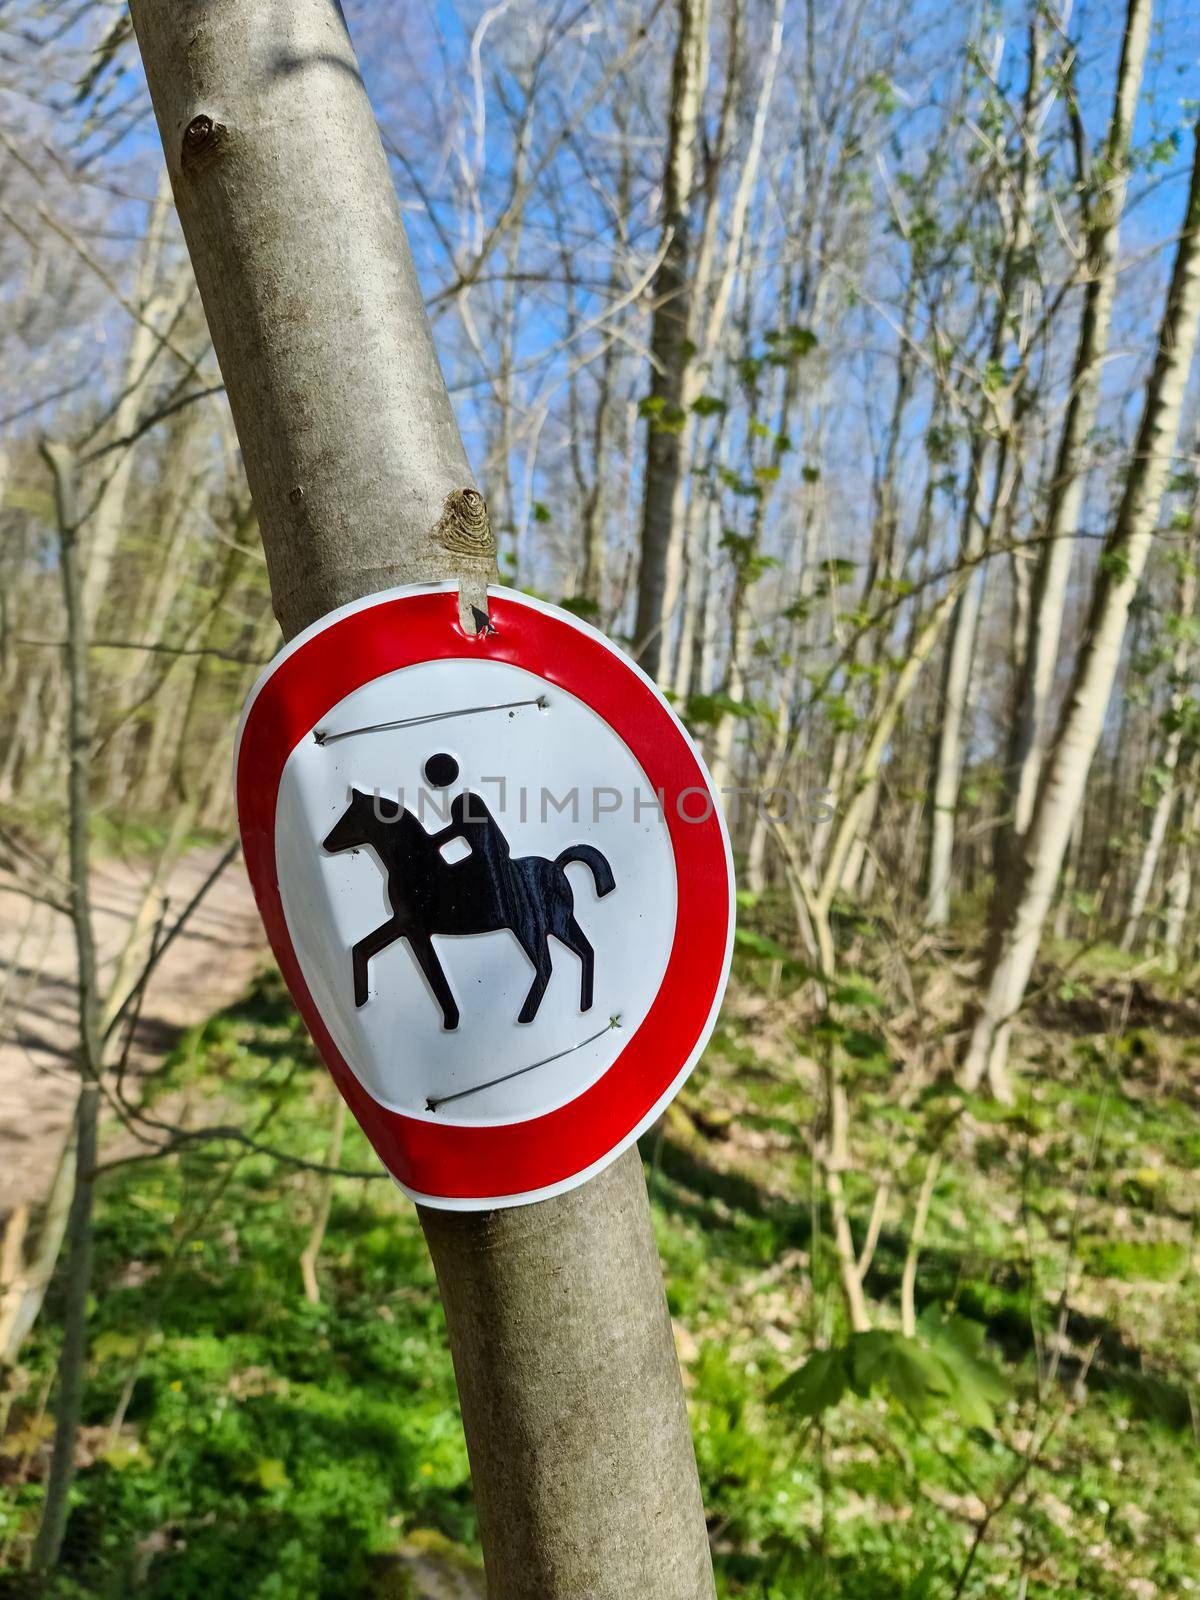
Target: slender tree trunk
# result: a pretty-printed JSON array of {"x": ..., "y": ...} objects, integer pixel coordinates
[
  {"x": 668, "y": 425},
  {"x": 740, "y": 638},
  {"x": 960, "y": 647},
  {"x": 69, "y": 1403},
  {"x": 1179, "y": 884},
  {"x": 860, "y": 798},
  {"x": 1027, "y": 748},
  {"x": 1164, "y": 804},
  {"x": 600, "y": 494},
  {"x": 1020, "y": 918},
  {"x": 27, "y": 731},
  {"x": 956, "y": 682},
  {"x": 583, "y": 1468},
  {"x": 158, "y": 308},
  {"x": 594, "y": 500},
  {"x": 24, "y": 1293},
  {"x": 756, "y": 853},
  {"x": 697, "y": 578},
  {"x": 311, "y": 1253},
  {"x": 159, "y": 592},
  {"x": 1070, "y": 878}
]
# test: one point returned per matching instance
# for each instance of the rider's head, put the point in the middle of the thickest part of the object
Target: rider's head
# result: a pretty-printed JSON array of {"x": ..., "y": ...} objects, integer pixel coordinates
[{"x": 441, "y": 771}]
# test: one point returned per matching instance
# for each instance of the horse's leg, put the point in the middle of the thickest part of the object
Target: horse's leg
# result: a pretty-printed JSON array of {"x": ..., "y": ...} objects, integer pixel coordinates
[
  {"x": 427, "y": 959},
  {"x": 577, "y": 940},
  {"x": 361, "y": 953},
  {"x": 538, "y": 952}
]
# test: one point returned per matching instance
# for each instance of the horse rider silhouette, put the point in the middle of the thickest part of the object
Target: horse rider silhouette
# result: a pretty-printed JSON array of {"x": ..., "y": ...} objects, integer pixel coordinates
[{"x": 482, "y": 893}]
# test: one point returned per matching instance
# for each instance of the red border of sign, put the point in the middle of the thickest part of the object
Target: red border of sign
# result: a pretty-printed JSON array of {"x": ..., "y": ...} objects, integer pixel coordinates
[{"x": 447, "y": 1160}]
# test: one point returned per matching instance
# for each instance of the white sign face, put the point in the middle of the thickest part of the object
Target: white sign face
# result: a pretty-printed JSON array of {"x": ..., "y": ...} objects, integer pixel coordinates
[
  {"x": 541, "y": 778},
  {"x": 496, "y": 881}
]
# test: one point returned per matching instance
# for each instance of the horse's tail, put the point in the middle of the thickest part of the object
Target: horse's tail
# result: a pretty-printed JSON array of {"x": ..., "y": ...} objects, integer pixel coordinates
[{"x": 594, "y": 861}]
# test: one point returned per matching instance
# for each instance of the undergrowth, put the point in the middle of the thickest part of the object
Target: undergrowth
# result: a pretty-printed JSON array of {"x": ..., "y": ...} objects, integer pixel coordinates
[{"x": 1036, "y": 1435}]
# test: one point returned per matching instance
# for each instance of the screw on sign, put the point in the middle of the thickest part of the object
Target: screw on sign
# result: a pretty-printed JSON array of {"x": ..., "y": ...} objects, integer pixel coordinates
[{"x": 496, "y": 879}]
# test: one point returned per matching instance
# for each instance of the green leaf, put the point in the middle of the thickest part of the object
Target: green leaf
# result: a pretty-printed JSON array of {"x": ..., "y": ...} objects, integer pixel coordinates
[
  {"x": 702, "y": 711},
  {"x": 869, "y": 1049},
  {"x": 814, "y": 1387},
  {"x": 1115, "y": 563},
  {"x": 113, "y": 1345},
  {"x": 790, "y": 344},
  {"x": 708, "y": 405},
  {"x": 856, "y": 993},
  {"x": 123, "y": 1453},
  {"x": 868, "y": 1353},
  {"x": 915, "y": 1376},
  {"x": 976, "y": 1384},
  {"x": 270, "y": 1473},
  {"x": 758, "y": 944},
  {"x": 922, "y": 1585},
  {"x": 863, "y": 1046}
]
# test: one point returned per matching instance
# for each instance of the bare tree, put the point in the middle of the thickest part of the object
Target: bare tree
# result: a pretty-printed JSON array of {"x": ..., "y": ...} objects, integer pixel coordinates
[
  {"x": 1102, "y": 220},
  {"x": 1020, "y": 911},
  {"x": 670, "y": 340}
]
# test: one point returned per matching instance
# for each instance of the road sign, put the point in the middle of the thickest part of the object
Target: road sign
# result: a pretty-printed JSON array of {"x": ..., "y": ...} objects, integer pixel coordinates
[{"x": 496, "y": 880}]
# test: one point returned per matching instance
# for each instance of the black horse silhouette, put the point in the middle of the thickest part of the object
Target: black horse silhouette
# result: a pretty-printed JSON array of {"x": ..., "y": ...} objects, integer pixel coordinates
[{"x": 486, "y": 891}]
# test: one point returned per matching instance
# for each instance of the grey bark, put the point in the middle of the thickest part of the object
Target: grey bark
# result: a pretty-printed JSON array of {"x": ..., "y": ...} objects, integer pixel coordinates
[
  {"x": 21, "y": 1302},
  {"x": 964, "y": 625},
  {"x": 1019, "y": 915},
  {"x": 668, "y": 426},
  {"x": 572, "y": 1401},
  {"x": 579, "y": 1441},
  {"x": 158, "y": 308},
  {"x": 69, "y": 1402},
  {"x": 1027, "y": 746},
  {"x": 956, "y": 683},
  {"x": 1179, "y": 882},
  {"x": 1169, "y": 759}
]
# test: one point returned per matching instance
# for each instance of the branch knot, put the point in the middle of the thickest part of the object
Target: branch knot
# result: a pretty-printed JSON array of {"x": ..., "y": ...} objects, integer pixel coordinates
[{"x": 464, "y": 527}]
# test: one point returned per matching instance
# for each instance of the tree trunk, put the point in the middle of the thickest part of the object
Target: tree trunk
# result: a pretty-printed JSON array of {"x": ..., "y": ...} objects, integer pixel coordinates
[
  {"x": 1019, "y": 919},
  {"x": 158, "y": 310},
  {"x": 956, "y": 682},
  {"x": 773, "y": 768},
  {"x": 1070, "y": 877},
  {"x": 960, "y": 647},
  {"x": 1027, "y": 748},
  {"x": 859, "y": 797},
  {"x": 1179, "y": 884},
  {"x": 668, "y": 427},
  {"x": 24, "y": 1293},
  {"x": 1163, "y": 806},
  {"x": 311, "y": 1253},
  {"x": 73, "y": 1353},
  {"x": 576, "y": 1426}
]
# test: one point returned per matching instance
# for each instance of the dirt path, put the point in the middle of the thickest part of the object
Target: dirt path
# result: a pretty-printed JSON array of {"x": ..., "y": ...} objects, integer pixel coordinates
[{"x": 207, "y": 967}]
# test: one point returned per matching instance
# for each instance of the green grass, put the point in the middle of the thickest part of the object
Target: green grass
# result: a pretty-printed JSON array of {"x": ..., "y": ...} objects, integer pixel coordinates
[{"x": 270, "y": 1448}]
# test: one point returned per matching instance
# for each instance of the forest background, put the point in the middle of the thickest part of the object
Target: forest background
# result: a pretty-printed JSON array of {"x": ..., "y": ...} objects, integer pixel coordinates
[{"x": 839, "y": 362}]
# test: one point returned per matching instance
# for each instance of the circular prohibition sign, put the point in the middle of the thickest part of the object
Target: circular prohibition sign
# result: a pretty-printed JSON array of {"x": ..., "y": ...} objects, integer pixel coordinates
[{"x": 422, "y": 812}]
